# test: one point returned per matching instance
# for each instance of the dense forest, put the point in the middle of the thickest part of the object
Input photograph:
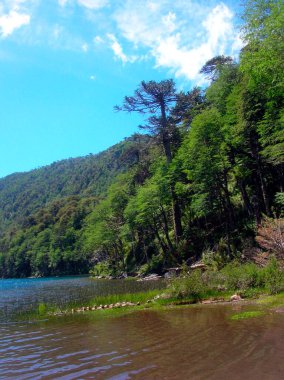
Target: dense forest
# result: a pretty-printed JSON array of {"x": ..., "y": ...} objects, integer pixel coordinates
[{"x": 207, "y": 172}]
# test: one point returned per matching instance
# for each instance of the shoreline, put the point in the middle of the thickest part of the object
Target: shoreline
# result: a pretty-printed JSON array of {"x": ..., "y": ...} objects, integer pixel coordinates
[{"x": 160, "y": 303}]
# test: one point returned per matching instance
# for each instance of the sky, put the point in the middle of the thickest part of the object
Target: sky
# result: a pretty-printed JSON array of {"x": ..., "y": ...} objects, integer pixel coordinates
[{"x": 64, "y": 65}]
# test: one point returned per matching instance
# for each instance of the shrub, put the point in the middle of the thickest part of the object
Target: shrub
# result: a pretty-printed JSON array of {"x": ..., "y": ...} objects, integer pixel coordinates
[
  {"x": 274, "y": 277},
  {"x": 242, "y": 277},
  {"x": 101, "y": 269},
  {"x": 155, "y": 265},
  {"x": 188, "y": 286},
  {"x": 270, "y": 236},
  {"x": 279, "y": 201},
  {"x": 214, "y": 260}
]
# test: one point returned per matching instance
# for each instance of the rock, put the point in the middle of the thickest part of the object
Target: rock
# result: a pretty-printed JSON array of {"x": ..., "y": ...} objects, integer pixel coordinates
[
  {"x": 172, "y": 272},
  {"x": 151, "y": 277},
  {"x": 122, "y": 276},
  {"x": 169, "y": 275},
  {"x": 198, "y": 265},
  {"x": 130, "y": 304},
  {"x": 236, "y": 297}
]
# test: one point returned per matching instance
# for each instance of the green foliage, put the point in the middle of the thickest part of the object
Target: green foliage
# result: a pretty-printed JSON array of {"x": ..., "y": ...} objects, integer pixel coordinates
[
  {"x": 155, "y": 265},
  {"x": 242, "y": 277},
  {"x": 42, "y": 309},
  {"x": 101, "y": 269},
  {"x": 214, "y": 260},
  {"x": 274, "y": 277},
  {"x": 246, "y": 279},
  {"x": 207, "y": 175},
  {"x": 188, "y": 286},
  {"x": 279, "y": 201}
]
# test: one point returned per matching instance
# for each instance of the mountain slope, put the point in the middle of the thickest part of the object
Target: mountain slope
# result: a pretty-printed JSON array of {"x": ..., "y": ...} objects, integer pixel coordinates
[{"x": 21, "y": 194}]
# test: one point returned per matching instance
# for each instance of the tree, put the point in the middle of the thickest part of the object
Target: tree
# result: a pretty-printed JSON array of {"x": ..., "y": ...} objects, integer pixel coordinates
[
  {"x": 157, "y": 99},
  {"x": 211, "y": 69},
  {"x": 262, "y": 64}
]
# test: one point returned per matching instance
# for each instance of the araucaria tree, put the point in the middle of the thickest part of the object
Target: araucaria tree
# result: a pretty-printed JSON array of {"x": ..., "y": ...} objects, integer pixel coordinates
[{"x": 157, "y": 99}]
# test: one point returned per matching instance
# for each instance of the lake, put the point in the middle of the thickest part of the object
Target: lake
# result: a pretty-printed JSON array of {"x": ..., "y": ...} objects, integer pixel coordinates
[
  {"x": 23, "y": 295},
  {"x": 194, "y": 342}
]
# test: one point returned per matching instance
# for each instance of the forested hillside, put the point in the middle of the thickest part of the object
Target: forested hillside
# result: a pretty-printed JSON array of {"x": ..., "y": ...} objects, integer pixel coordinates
[
  {"x": 212, "y": 171},
  {"x": 21, "y": 194}
]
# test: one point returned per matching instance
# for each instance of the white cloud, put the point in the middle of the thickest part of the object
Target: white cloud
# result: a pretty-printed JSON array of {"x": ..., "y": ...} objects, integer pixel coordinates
[
  {"x": 98, "y": 40},
  {"x": 237, "y": 45},
  {"x": 186, "y": 61},
  {"x": 181, "y": 36},
  {"x": 85, "y": 47},
  {"x": 118, "y": 51},
  {"x": 169, "y": 22},
  {"x": 57, "y": 32},
  {"x": 13, "y": 20},
  {"x": 93, "y": 77},
  {"x": 93, "y": 4},
  {"x": 62, "y": 3},
  {"x": 152, "y": 6}
]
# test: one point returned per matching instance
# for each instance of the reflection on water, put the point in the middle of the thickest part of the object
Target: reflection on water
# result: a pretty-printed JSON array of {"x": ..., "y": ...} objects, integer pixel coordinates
[{"x": 188, "y": 343}]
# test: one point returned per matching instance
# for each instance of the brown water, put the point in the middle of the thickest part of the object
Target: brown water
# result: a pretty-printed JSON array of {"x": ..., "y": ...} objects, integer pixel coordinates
[{"x": 198, "y": 342}]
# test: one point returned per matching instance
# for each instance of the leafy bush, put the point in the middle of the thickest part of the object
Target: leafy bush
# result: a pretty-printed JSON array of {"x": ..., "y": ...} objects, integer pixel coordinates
[
  {"x": 155, "y": 265},
  {"x": 279, "y": 201},
  {"x": 274, "y": 277},
  {"x": 242, "y": 277},
  {"x": 188, "y": 286},
  {"x": 214, "y": 260},
  {"x": 101, "y": 269}
]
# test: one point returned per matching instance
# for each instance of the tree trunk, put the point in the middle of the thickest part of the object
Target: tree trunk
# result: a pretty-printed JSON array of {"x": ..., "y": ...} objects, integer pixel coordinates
[
  {"x": 176, "y": 215},
  {"x": 167, "y": 148},
  {"x": 246, "y": 200},
  {"x": 259, "y": 180}
]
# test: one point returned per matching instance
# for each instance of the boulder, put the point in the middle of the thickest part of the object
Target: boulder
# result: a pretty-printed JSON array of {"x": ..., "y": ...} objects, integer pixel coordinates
[{"x": 236, "y": 297}]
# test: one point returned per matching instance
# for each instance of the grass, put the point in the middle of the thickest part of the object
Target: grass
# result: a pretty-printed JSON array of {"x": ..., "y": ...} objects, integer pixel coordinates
[
  {"x": 247, "y": 280},
  {"x": 49, "y": 310},
  {"x": 247, "y": 315},
  {"x": 141, "y": 297},
  {"x": 276, "y": 300}
]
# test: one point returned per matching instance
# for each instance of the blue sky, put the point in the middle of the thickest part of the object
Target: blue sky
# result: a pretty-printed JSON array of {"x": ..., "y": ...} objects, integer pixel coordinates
[{"x": 64, "y": 64}]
